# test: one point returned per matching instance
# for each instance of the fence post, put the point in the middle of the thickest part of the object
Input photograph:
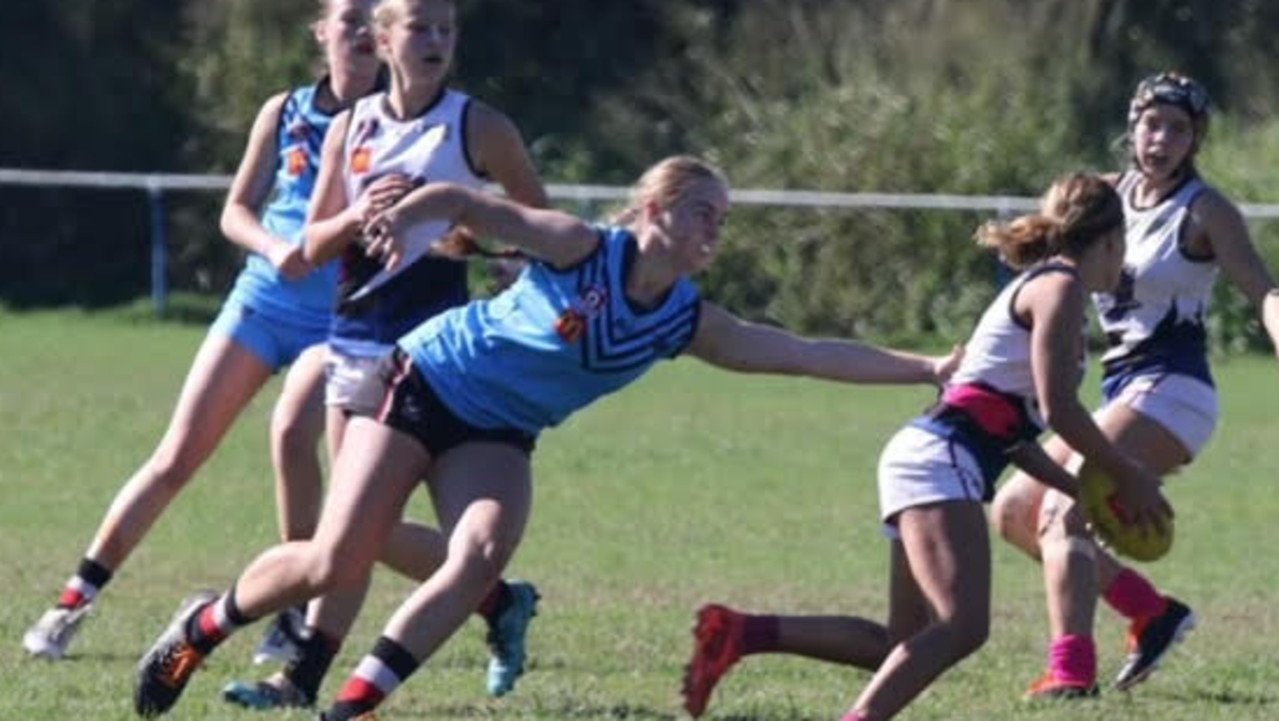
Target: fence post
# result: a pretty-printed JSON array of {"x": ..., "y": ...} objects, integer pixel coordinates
[{"x": 159, "y": 249}]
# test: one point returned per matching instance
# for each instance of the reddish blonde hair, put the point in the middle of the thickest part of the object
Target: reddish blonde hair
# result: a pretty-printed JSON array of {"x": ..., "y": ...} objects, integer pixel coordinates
[{"x": 1078, "y": 210}]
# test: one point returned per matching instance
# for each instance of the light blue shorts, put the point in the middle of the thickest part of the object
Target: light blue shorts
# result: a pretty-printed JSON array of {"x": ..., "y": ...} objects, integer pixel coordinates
[{"x": 278, "y": 343}]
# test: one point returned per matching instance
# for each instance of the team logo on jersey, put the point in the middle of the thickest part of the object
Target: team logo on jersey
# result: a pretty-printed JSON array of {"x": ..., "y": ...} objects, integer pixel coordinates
[
  {"x": 361, "y": 159},
  {"x": 297, "y": 162},
  {"x": 572, "y": 322}
]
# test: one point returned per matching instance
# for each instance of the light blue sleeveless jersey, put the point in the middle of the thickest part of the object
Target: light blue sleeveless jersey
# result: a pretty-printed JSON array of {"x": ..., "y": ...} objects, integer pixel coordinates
[
  {"x": 309, "y": 301},
  {"x": 553, "y": 342}
]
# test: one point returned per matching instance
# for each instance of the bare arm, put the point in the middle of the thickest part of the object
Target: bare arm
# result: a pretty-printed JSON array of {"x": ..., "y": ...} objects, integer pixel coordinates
[
  {"x": 557, "y": 238},
  {"x": 254, "y": 180},
  {"x": 728, "y": 342},
  {"x": 499, "y": 153},
  {"x": 1031, "y": 458},
  {"x": 1054, "y": 304},
  {"x": 331, "y": 222},
  {"x": 1227, "y": 235}
]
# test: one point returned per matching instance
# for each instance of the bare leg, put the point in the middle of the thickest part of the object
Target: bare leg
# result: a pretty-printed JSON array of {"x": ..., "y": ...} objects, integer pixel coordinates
[
  {"x": 948, "y": 552},
  {"x": 222, "y": 380},
  {"x": 1076, "y": 570},
  {"x": 412, "y": 550},
  {"x": 482, "y": 494},
  {"x": 296, "y": 425},
  {"x": 376, "y": 470}
]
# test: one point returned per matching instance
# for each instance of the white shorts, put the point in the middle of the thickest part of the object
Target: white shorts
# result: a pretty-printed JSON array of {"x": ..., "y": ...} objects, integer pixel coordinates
[
  {"x": 345, "y": 387},
  {"x": 918, "y": 468},
  {"x": 1184, "y": 405}
]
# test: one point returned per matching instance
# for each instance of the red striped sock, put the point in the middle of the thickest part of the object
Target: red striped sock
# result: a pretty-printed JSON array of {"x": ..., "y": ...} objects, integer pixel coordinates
[
  {"x": 83, "y": 587},
  {"x": 377, "y": 675}
]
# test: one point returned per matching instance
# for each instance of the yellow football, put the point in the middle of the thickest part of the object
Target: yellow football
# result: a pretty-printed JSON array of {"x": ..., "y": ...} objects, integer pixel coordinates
[{"x": 1100, "y": 504}]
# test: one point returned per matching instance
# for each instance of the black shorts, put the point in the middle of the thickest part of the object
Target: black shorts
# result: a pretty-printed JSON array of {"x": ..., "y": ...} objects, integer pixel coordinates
[{"x": 410, "y": 405}]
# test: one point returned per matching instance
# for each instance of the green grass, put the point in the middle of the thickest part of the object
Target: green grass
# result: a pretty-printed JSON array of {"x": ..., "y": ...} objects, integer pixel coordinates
[{"x": 694, "y": 485}]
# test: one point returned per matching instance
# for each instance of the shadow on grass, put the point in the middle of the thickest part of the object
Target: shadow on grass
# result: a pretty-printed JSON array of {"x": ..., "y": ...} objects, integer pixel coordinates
[
  {"x": 1229, "y": 698},
  {"x": 613, "y": 711},
  {"x": 97, "y": 657}
]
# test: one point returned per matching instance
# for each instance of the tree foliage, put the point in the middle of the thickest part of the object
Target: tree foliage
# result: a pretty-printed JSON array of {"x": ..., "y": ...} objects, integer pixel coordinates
[{"x": 984, "y": 97}]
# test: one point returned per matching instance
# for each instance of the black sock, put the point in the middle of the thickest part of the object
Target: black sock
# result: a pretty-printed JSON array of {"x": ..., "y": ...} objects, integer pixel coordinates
[
  {"x": 316, "y": 652},
  {"x": 89, "y": 579}
]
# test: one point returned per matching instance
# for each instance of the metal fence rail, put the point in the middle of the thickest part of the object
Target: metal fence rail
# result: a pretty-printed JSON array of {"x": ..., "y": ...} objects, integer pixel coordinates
[{"x": 156, "y": 184}]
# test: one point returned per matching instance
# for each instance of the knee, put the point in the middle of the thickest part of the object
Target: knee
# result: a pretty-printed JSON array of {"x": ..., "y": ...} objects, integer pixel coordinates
[
  {"x": 294, "y": 430},
  {"x": 1061, "y": 523},
  {"x": 1007, "y": 515},
  {"x": 173, "y": 464},
  {"x": 1013, "y": 516},
  {"x": 484, "y": 556},
  {"x": 968, "y": 635},
  {"x": 331, "y": 569}
]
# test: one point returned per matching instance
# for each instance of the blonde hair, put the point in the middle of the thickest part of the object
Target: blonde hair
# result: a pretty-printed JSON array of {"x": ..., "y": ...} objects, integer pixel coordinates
[
  {"x": 664, "y": 182},
  {"x": 1078, "y": 210},
  {"x": 386, "y": 12}
]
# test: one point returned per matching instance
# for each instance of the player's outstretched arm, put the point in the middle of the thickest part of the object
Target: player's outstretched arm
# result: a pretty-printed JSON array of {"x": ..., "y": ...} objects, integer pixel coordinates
[{"x": 729, "y": 342}]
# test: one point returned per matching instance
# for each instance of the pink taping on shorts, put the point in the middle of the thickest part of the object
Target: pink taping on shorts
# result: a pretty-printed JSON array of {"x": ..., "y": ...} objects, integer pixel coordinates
[{"x": 994, "y": 413}]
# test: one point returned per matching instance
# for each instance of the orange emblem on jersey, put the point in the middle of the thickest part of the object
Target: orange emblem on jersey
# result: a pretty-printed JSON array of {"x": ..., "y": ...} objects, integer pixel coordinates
[
  {"x": 360, "y": 160},
  {"x": 570, "y": 326},
  {"x": 297, "y": 161},
  {"x": 572, "y": 322}
]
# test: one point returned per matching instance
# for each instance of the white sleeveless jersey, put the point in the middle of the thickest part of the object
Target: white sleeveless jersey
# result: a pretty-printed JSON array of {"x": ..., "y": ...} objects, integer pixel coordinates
[
  {"x": 427, "y": 148},
  {"x": 1156, "y": 314},
  {"x": 997, "y": 354}
]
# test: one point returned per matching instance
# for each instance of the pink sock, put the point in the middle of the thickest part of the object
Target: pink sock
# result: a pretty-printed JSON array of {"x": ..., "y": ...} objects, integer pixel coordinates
[
  {"x": 853, "y": 716},
  {"x": 1073, "y": 660},
  {"x": 1133, "y": 596}
]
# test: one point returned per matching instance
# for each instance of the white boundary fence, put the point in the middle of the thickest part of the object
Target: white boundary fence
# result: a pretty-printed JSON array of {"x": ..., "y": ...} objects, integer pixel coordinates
[{"x": 156, "y": 184}]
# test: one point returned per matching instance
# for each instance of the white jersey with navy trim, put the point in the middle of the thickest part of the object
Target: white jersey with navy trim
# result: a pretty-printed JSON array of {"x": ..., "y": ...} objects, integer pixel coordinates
[
  {"x": 375, "y": 305},
  {"x": 990, "y": 405},
  {"x": 553, "y": 342},
  {"x": 998, "y": 352},
  {"x": 1155, "y": 317}
]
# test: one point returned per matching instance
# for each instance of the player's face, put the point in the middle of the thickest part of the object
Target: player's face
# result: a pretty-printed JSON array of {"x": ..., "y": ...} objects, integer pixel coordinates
[
  {"x": 1163, "y": 138},
  {"x": 420, "y": 43},
  {"x": 347, "y": 39},
  {"x": 693, "y": 223}
]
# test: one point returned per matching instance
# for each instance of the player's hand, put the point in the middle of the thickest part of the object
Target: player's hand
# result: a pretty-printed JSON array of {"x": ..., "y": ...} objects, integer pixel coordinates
[
  {"x": 288, "y": 261},
  {"x": 945, "y": 366},
  {"x": 382, "y": 194},
  {"x": 1138, "y": 493}
]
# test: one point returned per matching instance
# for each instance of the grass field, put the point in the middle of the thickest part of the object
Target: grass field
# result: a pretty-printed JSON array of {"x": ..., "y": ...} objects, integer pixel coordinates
[{"x": 693, "y": 486}]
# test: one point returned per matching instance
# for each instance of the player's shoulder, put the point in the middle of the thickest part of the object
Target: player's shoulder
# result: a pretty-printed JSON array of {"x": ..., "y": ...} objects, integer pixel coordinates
[{"x": 1211, "y": 206}]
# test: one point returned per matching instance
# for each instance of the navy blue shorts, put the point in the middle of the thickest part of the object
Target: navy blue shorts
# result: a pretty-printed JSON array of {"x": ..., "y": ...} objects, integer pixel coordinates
[{"x": 411, "y": 406}]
